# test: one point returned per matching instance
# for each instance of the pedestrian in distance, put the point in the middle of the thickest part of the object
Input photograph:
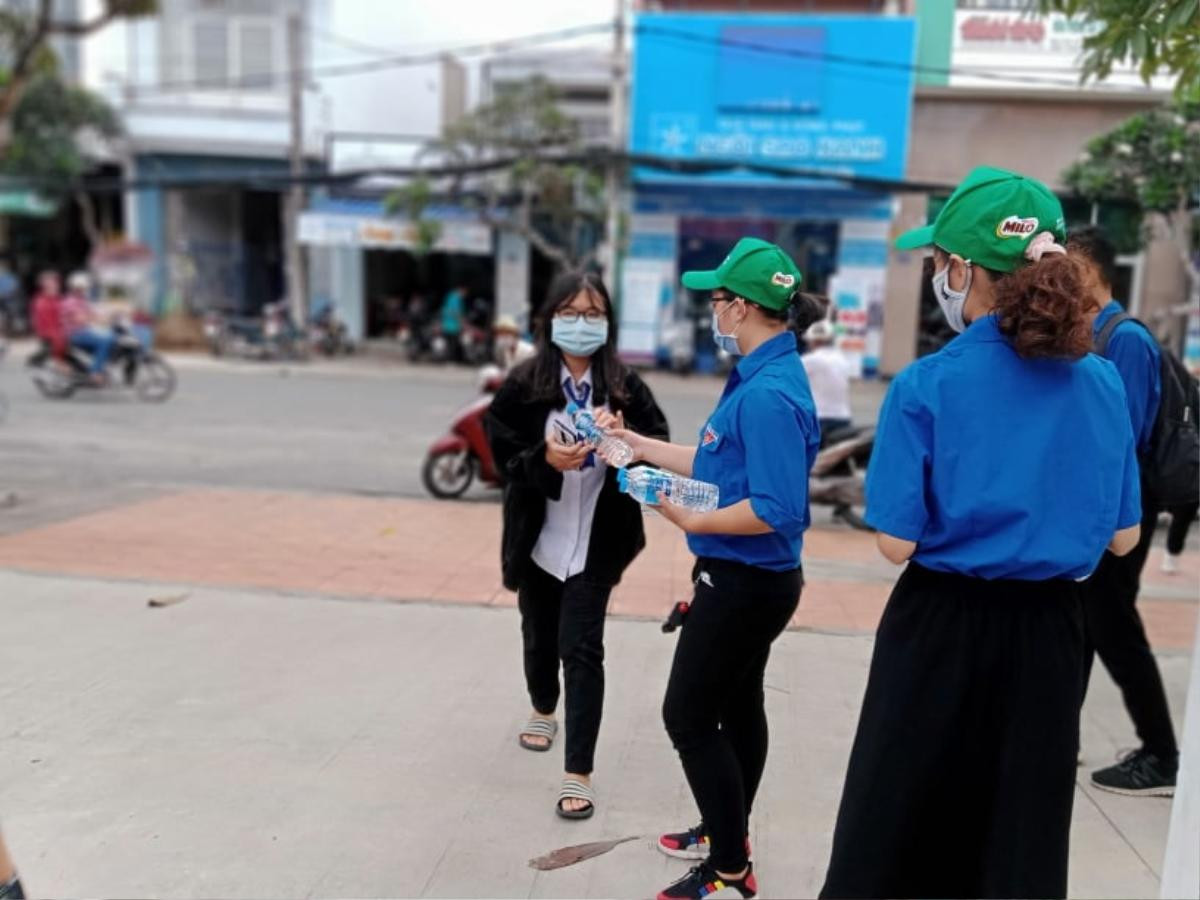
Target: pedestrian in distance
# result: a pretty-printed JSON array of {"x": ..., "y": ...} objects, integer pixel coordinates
[
  {"x": 828, "y": 372},
  {"x": 569, "y": 533},
  {"x": 757, "y": 447},
  {"x": 1114, "y": 627},
  {"x": 1004, "y": 466}
]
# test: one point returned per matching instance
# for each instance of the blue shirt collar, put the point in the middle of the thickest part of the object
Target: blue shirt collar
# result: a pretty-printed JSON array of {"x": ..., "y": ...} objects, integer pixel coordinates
[
  {"x": 778, "y": 346},
  {"x": 984, "y": 330}
]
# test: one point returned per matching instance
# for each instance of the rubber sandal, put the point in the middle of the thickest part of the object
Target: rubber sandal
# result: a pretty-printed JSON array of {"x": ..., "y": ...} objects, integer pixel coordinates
[
  {"x": 538, "y": 728},
  {"x": 575, "y": 790}
]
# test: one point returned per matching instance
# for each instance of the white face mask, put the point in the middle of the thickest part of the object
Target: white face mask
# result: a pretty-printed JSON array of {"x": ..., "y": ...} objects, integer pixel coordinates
[
  {"x": 951, "y": 301},
  {"x": 726, "y": 342}
]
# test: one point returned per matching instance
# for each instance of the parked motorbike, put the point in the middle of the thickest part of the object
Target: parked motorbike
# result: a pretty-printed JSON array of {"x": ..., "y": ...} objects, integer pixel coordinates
[
  {"x": 130, "y": 365},
  {"x": 463, "y": 454},
  {"x": 839, "y": 473},
  {"x": 271, "y": 336},
  {"x": 328, "y": 334}
]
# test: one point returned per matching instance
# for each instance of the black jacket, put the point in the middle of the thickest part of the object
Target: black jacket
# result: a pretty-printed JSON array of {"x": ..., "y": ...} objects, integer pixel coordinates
[{"x": 516, "y": 429}]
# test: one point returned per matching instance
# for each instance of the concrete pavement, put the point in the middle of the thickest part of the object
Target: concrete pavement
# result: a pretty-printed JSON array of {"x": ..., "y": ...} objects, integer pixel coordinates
[{"x": 252, "y": 744}]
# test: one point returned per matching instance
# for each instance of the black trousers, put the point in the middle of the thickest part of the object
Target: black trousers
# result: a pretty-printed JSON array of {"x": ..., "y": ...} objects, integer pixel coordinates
[
  {"x": 1181, "y": 522},
  {"x": 1115, "y": 633},
  {"x": 564, "y": 621},
  {"x": 962, "y": 775},
  {"x": 713, "y": 708}
]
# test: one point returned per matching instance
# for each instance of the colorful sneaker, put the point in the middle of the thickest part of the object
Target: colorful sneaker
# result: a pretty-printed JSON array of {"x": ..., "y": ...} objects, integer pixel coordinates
[
  {"x": 691, "y": 844},
  {"x": 1140, "y": 774},
  {"x": 703, "y": 883}
]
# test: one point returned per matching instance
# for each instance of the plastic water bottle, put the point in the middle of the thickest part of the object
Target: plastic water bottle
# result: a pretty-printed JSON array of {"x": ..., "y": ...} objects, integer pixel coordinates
[
  {"x": 616, "y": 451},
  {"x": 644, "y": 484}
]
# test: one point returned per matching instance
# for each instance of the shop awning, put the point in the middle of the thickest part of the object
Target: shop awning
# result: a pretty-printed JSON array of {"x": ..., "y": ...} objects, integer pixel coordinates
[
  {"x": 26, "y": 203},
  {"x": 339, "y": 222}
]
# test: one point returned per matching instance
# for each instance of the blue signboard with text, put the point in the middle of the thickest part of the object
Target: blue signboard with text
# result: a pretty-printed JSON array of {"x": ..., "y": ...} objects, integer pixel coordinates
[{"x": 821, "y": 92}]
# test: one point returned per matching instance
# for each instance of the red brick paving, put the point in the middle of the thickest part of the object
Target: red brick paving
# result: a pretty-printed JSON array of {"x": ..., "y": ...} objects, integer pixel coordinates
[{"x": 444, "y": 552}]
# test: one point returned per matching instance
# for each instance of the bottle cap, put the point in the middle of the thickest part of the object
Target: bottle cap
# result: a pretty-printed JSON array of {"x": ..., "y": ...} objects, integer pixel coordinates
[{"x": 572, "y": 408}]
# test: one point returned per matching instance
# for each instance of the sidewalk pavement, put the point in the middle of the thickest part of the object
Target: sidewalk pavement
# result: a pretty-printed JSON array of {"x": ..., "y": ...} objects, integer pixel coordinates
[
  {"x": 256, "y": 739},
  {"x": 253, "y": 744},
  {"x": 400, "y": 550}
]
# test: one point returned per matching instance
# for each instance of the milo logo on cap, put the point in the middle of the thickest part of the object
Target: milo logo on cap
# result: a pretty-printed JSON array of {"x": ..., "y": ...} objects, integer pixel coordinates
[
  {"x": 783, "y": 279},
  {"x": 1015, "y": 226}
]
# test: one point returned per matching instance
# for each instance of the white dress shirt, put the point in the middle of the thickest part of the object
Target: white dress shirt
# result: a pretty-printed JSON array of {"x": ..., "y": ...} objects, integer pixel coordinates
[
  {"x": 562, "y": 547},
  {"x": 829, "y": 378}
]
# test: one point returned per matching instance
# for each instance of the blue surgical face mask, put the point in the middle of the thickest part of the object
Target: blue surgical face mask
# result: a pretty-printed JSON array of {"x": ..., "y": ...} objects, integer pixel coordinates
[
  {"x": 579, "y": 338},
  {"x": 726, "y": 342},
  {"x": 951, "y": 301}
]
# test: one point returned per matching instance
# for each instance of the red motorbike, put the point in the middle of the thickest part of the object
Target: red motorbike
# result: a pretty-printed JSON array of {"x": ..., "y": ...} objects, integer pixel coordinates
[{"x": 462, "y": 453}]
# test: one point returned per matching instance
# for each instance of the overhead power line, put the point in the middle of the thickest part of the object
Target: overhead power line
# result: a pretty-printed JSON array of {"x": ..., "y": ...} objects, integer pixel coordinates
[{"x": 597, "y": 158}]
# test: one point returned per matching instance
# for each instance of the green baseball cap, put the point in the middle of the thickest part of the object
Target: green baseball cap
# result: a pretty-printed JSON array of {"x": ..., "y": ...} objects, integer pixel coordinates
[
  {"x": 754, "y": 269},
  {"x": 990, "y": 219}
]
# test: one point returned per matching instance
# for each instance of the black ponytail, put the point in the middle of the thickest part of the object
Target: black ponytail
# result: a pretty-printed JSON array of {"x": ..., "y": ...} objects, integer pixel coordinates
[{"x": 805, "y": 310}]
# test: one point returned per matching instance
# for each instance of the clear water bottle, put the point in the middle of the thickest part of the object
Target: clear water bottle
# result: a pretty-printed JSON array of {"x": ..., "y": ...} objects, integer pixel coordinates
[
  {"x": 616, "y": 451},
  {"x": 644, "y": 484}
]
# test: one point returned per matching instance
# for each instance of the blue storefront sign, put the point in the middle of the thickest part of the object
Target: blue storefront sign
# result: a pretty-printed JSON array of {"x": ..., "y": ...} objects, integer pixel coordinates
[{"x": 818, "y": 92}]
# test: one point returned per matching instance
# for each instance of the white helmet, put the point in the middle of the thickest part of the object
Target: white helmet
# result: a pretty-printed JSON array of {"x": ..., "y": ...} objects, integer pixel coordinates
[
  {"x": 80, "y": 281},
  {"x": 820, "y": 332}
]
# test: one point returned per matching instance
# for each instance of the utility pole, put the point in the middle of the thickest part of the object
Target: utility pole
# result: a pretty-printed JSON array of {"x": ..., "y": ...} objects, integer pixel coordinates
[
  {"x": 297, "y": 279},
  {"x": 613, "y": 185}
]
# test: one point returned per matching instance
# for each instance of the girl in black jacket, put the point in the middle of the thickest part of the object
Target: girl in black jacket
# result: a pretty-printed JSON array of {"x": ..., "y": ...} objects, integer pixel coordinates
[{"x": 569, "y": 533}]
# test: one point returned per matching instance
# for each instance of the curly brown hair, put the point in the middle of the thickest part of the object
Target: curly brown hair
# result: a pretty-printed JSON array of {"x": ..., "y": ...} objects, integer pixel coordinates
[{"x": 1042, "y": 308}]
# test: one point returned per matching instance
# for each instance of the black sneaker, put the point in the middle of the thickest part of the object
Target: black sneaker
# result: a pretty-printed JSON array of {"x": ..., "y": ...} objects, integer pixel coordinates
[
  {"x": 703, "y": 883},
  {"x": 1139, "y": 774},
  {"x": 691, "y": 844}
]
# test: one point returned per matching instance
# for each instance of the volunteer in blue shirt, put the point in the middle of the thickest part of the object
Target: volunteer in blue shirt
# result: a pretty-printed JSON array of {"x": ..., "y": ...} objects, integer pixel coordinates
[
  {"x": 1114, "y": 628},
  {"x": 1004, "y": 465},
  {"x": 757, "y": 447}
]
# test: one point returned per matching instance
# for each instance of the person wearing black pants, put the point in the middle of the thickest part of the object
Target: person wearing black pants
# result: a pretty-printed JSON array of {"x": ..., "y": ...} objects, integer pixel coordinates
[
  {"x": 747, "y": 575},
  {"x": 961, "y": 778},
  {"x": 1177, "y": 532},
  {"x": 1116, "y": 634},
  {"x": 715, "y": 714},
  {"x": 1115, "y": 630},
  {"x": 564, "y": 620},
  {"x": 569, "y": 533}
]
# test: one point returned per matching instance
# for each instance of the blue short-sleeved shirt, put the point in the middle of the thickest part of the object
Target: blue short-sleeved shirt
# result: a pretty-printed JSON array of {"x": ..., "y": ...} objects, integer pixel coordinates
[
  {"x": 760, "y": 443},
  {"x": 1000, "y": 467},
  {"x": 1133, "y": 350}
]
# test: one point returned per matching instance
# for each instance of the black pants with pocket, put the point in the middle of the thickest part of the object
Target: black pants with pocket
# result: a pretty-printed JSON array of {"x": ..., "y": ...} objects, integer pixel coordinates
[
  {"x": 1116, "y": 634},
  {"x": 564, "y": 621},
  {"x": 962, "y": 774},
  {"x": 713, "y": 708}
]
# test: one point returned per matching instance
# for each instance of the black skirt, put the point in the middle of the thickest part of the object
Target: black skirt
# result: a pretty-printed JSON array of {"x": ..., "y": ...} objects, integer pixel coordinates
[{"x": 962, "y": 774}]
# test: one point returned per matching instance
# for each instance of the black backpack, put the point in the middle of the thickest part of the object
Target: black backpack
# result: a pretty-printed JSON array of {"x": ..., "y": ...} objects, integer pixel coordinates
[{"x": 1171, "y": 463}]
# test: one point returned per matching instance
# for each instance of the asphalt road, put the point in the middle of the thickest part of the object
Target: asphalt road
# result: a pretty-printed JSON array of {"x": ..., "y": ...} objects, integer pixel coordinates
[{"x": 360, "y": 427}]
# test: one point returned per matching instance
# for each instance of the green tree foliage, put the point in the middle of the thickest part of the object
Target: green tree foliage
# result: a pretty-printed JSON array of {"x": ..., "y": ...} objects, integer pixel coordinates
[
  {"x": 1152, "y": 162},
  {"x": 1152, "y": 34},
  {"x": 520, "y": 186}
]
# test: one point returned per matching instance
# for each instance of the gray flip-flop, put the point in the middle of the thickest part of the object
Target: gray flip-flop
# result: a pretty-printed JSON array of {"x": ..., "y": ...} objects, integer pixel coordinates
[
  {"x": 576, "y": 790},
  {"x": 538, "y": 728}
]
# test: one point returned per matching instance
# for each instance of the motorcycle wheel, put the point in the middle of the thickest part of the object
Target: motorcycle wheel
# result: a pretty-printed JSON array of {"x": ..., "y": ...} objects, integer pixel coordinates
[
  {"x": 848, "y": 515},
  {"x": 155, "y": 379},
  {"x": 447, "y": 475},
  {"x": 52, "y": 383}
]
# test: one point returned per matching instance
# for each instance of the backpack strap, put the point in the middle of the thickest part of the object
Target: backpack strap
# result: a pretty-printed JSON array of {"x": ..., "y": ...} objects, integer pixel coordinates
[{"x": 1106, "y": 333}]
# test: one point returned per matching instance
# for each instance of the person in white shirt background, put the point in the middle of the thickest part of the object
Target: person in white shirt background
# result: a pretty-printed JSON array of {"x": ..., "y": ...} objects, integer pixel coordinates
[
  {"x": 569, "y": 533},
  {"x": 828, "y": 373}
]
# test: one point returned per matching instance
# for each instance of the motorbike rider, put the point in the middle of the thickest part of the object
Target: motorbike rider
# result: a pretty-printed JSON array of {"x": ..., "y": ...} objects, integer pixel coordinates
[
  {"x": 83, "y": 326},
  {"x": 829, "y": 373},
  {"x": 510, "y": 344},
  {"x": 47, "y": 315}
]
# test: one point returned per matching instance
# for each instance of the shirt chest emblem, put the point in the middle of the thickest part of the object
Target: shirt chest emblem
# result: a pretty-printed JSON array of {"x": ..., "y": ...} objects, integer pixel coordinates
[{"x": 710, "y": 436}]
